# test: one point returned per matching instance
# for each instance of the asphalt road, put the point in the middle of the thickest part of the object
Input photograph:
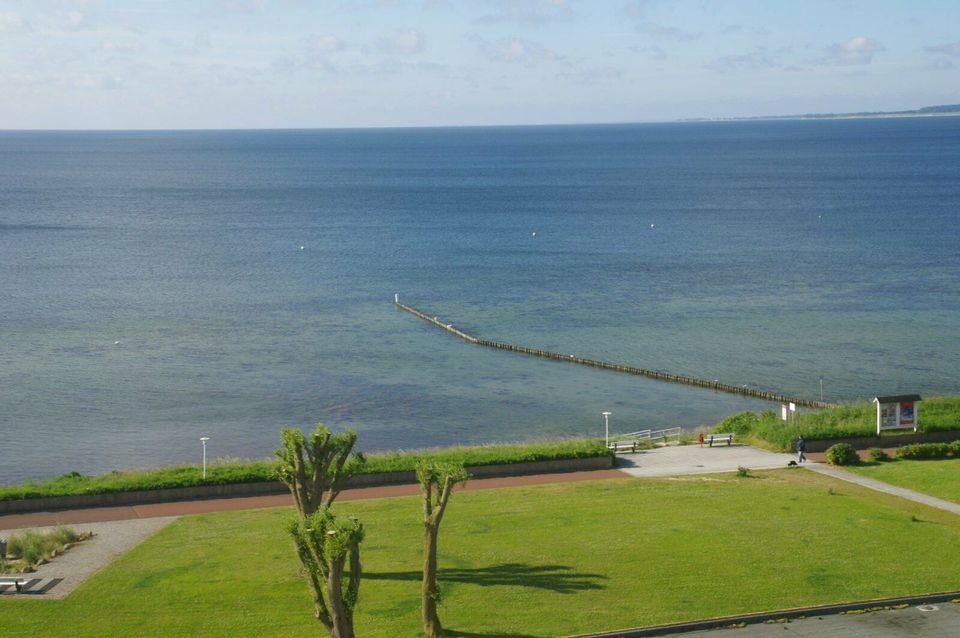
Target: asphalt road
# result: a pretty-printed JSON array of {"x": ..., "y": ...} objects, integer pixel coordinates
[{"x": 941, "y": 620}]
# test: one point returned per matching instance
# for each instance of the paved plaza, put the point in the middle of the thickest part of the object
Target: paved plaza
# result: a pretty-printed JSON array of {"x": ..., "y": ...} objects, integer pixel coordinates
[{"x": 672, "y": 460}]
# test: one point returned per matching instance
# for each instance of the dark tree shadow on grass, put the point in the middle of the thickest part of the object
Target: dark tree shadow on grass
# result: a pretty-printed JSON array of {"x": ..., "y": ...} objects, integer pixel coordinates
[{"x": 556, "y": 578}]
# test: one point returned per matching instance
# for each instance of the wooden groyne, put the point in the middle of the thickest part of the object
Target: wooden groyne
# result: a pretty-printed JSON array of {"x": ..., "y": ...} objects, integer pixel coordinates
[{"x": 616, "y": 367}]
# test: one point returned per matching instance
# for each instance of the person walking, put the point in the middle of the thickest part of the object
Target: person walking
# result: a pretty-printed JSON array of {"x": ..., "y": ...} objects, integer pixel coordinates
[{"x": 801, "y": 446}]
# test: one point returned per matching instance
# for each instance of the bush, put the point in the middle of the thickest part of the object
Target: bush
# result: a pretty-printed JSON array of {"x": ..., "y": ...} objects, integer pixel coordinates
[
  {"x": 924, "y": 451},
  {"x": 877, "y": 455},
  {"x": 740, "y": 424},
  {"x": 32, "y": 548},
  {"x": 63, "y": 535},
  {"x": 842, "y": 454}
]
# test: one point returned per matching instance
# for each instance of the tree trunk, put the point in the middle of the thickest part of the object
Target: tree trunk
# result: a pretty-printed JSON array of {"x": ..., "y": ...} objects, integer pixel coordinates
[
  {"x": 430, "y": 591},
  {"x": 340, "y": 611}
]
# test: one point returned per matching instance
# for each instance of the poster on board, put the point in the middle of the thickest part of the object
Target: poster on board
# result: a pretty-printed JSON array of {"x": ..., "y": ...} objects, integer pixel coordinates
[
  {"x": 897, "y": 412},
  {"x": 906, "y": 414}
]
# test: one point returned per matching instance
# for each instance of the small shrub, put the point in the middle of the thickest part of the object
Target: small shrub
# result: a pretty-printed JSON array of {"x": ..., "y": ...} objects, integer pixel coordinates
[
  {"x": 923, "y": 451},
  {"x": 955, "y": 448},
  {"x": 32, "y": 548},
  {"x": 63, "y": 535},
  {"x": 743, "y": 471},
  {"x": 842, "y": 454},
  {"x": 877, "y": 455},
  {"x": 740, "y": 424},
  {"x": 14, "y": 546}
]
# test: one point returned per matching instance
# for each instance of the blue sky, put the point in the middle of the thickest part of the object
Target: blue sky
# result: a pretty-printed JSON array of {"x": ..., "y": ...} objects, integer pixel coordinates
[{"x": 345, "y": 63}]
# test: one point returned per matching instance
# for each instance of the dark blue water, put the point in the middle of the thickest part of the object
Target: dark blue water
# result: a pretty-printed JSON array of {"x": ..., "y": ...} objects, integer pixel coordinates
[{"x": 154, "y": 290}]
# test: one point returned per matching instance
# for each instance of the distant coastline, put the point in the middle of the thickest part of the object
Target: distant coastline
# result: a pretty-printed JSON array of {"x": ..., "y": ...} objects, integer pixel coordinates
[{"x": 945, "y": 110}]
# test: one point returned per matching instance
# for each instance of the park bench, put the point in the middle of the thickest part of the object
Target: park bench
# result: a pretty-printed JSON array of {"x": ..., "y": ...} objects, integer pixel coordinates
[
  {"x": 728, "y": 437},
  {"x": 16, "y": 582},
  {"x": 622, "y": 446}
]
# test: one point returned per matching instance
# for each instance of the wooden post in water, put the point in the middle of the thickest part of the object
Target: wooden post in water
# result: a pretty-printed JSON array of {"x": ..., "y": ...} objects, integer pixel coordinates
[{"x": 593, "y": 363}]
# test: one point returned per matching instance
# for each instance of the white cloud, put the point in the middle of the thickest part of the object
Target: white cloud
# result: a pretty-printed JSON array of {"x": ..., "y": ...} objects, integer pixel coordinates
[
  {"x": 593, "y": 75},
  {"x": 406, "y": 42},
  {"x": 855, "y": 51},
  {"x": 72, "y": 20},
  {"x": 951, "y": 49},
  {"x": 99, "y": 83},
  {"x": 202, "y": 40},
  {"x": 664, "y": 31},
  {"x": 653, "y": 52},
  {"x": 529, "y": 12},
  {"x": 516, "y": 51},
  {"x": 758, "y": 59},
  {"x": 940, "y": 64},
  {"x": 638, "y": 8},
  {"x": 114, "y": 46},
  {"x": 323, "y": 44},
  {"x": 11, "y": 22}
]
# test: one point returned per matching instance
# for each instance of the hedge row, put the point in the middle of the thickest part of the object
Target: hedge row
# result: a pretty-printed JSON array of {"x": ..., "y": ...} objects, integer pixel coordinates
[
  {"x": 924, "y": 451},
  {"x": 223, "y": 473}
]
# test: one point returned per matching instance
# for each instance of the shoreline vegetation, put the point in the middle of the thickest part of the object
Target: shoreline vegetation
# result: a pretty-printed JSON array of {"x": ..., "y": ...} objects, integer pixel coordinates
[
  {"x": 765, "y": 430},
  {"x": 236, "y": 471},
  {"x": 858, "y": 420}
]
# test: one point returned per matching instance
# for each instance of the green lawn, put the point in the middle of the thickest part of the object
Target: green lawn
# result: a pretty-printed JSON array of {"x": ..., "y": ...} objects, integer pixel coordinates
[
  {"x": 939, "y": 478},
  {"x": 547, "y": 560}
]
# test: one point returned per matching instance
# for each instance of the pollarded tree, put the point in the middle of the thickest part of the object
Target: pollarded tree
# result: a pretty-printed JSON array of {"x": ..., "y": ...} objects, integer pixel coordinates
[
  {"x": 316, "y": 467},
  {"x": 436, "y": 485},
  {"x": 324, "y": 545}
]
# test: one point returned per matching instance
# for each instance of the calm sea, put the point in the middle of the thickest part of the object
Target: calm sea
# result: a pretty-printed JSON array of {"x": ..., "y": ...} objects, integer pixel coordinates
[{"x": 162, "y": 286}]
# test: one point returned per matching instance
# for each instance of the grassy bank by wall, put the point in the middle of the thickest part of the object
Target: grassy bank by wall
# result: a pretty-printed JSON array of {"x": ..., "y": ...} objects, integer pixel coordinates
[
  {"x": 226, "y": 473},
  {"x": 937, "y": 414}
]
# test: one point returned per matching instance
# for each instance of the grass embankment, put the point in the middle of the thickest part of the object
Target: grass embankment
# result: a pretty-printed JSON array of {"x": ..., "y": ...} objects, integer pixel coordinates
[
  {"x": 259, "y": 471},
  {"x": 940, "y": 478},
  {"x": 548, "y": 560},
  {"x": 846, "y": 421}
]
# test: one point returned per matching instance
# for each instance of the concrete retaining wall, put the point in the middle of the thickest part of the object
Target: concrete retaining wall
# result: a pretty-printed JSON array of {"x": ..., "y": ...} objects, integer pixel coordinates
[{"x": 141, "y": 497}]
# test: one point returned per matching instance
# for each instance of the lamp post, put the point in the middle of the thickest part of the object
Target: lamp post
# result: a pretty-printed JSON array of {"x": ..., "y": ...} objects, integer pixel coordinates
[
  {"x": 821, "y": 389},
  {"x": 606, "y": 428},
  {"x": 203, "y": 440}
]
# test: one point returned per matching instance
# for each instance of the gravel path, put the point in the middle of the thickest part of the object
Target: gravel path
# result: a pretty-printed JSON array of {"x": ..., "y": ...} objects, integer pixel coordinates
[{"x": 65, "y": 573}]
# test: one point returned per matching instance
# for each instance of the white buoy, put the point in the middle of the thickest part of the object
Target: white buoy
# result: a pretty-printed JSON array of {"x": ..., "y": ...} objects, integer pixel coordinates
[
  {"x": 652, "y": 225},
  {"x": 301, "y": 247},
  {"x": 534, "y": 233},
  {"x": 116, "y": 343}
]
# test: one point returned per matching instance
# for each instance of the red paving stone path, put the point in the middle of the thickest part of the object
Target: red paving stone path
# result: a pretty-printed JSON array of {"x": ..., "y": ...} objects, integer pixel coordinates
[{"x": 178, "y": 508}]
